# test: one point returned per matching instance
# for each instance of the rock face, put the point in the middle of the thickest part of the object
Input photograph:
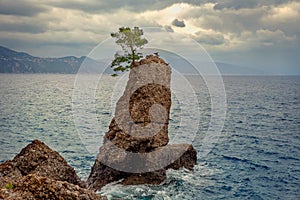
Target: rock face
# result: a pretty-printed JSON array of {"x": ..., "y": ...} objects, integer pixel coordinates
[
  {"x": 38, "y": 172},
  {"x": 36, "y": 187},
  {"x": 142, "y": 113},
  {"x": 136, "y": 148}
]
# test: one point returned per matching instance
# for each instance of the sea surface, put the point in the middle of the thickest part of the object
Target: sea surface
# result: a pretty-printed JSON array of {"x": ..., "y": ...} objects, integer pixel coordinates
[{"x": 257, "y": 155}]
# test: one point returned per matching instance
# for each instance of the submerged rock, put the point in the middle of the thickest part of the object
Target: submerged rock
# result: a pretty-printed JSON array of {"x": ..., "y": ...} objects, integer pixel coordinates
[
  {"x": 38, "y": 172},
  {"x": 135, "y": 148}
]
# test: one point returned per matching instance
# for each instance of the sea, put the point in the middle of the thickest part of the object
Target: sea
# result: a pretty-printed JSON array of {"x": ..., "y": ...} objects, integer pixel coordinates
[{"x": 256, "y": 154}]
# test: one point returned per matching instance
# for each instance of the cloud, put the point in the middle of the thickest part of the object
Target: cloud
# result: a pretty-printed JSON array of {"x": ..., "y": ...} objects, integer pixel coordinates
[
  {"x": 225, "y": 26},
  {"x": 209, "y": 38},
  {"x": 224, "y": 29},
  {"x": 168, "y": 28},
  {"x": 234, "y": 24},
  {"x": 178, "y": 23},
  {"x": 96, "y": 6},
  {"x": 23, "y": 24},
  {"x": 233, "y": 4},
  {"x": 285, "y": 17},
  {"x": 268, "y": 37},
  {"x": 242, "y": 4},
  {"x": 20, "y": 8},
  {"x": 23, "y": 27}
]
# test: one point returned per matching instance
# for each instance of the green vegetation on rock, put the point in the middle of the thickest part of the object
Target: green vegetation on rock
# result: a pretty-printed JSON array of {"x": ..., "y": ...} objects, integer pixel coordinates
[
  {"x": 9, "y": 186},
  {"x": 130, "y": 41}
]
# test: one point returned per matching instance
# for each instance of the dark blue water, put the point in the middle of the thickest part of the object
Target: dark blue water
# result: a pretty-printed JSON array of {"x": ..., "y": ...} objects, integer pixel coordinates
[{"x": 256, "y": 157}]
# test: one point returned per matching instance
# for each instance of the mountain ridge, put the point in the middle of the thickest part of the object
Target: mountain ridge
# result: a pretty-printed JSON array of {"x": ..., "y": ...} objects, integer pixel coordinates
[
  {"x": 231, "y": 69},
  {"x": 20, "y": 62}
]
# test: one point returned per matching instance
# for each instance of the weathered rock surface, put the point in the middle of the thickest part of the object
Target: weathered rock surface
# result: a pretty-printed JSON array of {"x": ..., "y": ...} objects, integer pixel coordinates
[
  {"x": 187, "y": 158},
  {"x": 36, "y": 187},
  {"x": 136, "y": 148},
  {"x": 38, "y": 172},
  {"x": 142, "y": 113},
  {"x": 150, "y": 168}
]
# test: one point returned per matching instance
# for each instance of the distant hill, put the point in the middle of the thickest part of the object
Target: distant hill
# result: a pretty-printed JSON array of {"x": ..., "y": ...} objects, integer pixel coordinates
[
  {"x": 203, "y": 65},
  {"x": 19, "y": 62},
  {"x": 229, "y": 69}
]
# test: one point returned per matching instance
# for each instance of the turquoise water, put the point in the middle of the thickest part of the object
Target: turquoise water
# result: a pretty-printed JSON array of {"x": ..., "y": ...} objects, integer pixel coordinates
[{"x": 256, "y": 156}]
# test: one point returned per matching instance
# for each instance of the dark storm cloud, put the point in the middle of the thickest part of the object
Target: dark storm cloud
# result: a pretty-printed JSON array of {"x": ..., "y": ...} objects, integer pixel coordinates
[
  {"x": 235, "y": 4},
  {"x": 95, "y": 6},
  {"x": 20, "y": 8},
  {"x": 23, "y": 27},
  {"x": 239, "y": 4},
  {"x": 178, "y": 23}
]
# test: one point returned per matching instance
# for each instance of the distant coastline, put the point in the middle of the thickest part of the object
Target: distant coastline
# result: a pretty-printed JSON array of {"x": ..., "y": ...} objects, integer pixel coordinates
[
  {"x": 19, "y": 62},
  {"x": 23, "y": 63}
]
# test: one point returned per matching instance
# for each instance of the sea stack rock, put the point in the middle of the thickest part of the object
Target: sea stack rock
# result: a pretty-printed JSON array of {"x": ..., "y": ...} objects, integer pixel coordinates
[
  {"x": 142, "y": 113},
  {"x": 136, "y": 148},
  {"x": 38, "y": 172}
]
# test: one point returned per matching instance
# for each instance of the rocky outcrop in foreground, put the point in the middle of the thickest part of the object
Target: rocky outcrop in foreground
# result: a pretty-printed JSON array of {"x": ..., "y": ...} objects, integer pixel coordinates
[
  {"x": 38, "y": 172},
  {"x": 136, "y": 147}
]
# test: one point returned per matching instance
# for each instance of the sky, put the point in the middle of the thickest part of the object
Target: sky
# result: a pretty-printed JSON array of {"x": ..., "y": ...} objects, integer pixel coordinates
[{"x": 258, "y": 34}]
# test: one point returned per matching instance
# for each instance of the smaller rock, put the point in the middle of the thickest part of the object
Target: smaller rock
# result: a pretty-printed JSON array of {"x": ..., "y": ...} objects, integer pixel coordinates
[
  {"x": 38, "y": 172},
  {"x": 37, "y": 158}
]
